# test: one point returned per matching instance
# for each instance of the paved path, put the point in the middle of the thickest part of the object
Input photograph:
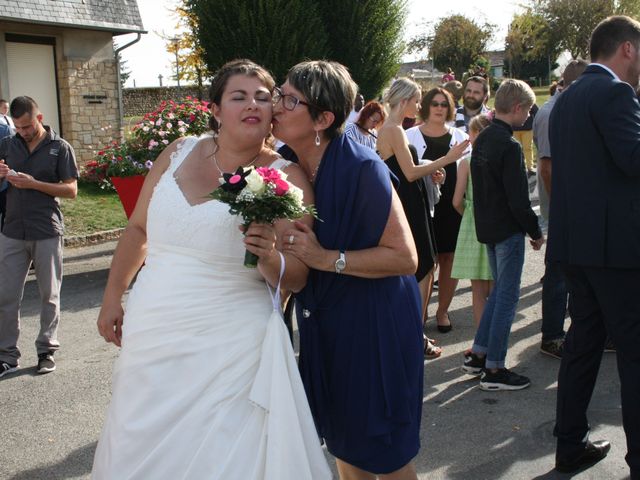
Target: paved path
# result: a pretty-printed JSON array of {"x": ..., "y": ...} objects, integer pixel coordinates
[{"x": 49, "y": 424}]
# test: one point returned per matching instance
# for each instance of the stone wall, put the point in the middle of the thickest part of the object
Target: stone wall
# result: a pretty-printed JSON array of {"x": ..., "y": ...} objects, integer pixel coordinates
[
  {"x": 138, "y": 101},
  {"x": 88, "y": 104}
]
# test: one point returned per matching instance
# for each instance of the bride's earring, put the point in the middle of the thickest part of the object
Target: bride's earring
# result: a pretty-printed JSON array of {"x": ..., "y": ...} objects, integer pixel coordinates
[{"x": 317, "y": 140}]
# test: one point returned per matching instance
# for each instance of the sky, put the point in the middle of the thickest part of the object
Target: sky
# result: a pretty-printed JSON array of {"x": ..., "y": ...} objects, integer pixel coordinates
[{"x": 148, "y": 58}]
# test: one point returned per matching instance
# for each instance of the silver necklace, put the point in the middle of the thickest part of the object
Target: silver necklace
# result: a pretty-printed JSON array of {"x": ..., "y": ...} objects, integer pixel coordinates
[
  {"x": 215, "y": 160},
  {"x": 315, "y": 171}
]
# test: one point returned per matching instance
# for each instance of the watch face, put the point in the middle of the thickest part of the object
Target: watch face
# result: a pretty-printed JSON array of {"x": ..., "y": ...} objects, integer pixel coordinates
[{"x": 340, "y": 263}]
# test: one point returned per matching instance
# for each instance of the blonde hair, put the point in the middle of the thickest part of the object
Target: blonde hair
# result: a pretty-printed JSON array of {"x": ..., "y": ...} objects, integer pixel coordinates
[
  {"x": 511, "y": 93},
  {"x": 401, "y": 89},
  {"x": 479, "y": 122}
]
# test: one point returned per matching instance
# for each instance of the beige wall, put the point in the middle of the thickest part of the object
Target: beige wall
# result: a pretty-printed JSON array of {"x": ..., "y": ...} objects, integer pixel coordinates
[{"x": 86, "y": 67}]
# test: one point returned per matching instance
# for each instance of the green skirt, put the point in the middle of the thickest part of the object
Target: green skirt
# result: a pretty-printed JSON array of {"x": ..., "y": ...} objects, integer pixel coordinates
[{"x": 470, "y": 260}]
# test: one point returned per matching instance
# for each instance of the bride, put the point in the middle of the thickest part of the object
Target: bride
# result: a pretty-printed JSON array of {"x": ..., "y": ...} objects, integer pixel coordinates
[{"x": 206, "y": 385}]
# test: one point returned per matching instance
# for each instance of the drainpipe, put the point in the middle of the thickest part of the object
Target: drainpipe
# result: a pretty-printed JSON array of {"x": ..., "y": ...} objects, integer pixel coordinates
[{"x": 120, "y": 104}]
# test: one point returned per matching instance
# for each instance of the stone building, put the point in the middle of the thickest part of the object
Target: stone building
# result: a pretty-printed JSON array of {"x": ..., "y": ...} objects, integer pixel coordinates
[{"x": 61, "y": 53}]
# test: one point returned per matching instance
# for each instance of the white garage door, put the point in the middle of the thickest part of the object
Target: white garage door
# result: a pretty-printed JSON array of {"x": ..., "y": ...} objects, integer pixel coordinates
[{"x": 32, "y": 72}]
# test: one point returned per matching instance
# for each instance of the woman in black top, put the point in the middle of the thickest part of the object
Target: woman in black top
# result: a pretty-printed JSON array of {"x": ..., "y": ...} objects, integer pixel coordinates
[
  {"x": 402, "y": 100},
  {"x": 437, "y": 108}
]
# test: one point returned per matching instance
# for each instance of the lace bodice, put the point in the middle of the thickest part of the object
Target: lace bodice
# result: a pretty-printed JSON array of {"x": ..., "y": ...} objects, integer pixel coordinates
[{"x": 206, "y": 227}]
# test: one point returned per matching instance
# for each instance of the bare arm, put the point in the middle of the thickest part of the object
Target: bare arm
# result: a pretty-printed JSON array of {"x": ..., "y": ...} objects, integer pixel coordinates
[
  {"x": 461, "y": 186},
  {"x": 395, "y": 254},
  {"x": 129, "y": 254},
  {"x": 394, "y": 142}
]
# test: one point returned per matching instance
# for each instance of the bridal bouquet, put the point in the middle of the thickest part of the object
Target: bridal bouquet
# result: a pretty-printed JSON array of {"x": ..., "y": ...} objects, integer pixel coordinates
[{"x": 260, "y": 195}]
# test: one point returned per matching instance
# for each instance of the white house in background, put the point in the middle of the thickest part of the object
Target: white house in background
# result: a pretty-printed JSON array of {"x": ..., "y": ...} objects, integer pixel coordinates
[
  {"x": 496, "y": 64},
  {"x": 61, "y": 53}
]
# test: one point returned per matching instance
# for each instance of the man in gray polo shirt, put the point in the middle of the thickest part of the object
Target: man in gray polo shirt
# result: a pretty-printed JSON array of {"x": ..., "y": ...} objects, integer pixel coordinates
[{"x": 39, "y": 166}]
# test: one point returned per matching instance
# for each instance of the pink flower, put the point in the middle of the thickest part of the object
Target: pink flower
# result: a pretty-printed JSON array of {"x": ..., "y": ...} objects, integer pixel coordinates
[
  {"x": 282, "y": 187},
  {"x": 270, "y": 175}
]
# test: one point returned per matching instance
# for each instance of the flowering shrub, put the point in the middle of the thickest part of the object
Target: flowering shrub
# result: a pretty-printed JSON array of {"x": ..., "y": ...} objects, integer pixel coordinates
[
  {"x": 148, "y": 138},
  {"x": 168, "y": 122}
]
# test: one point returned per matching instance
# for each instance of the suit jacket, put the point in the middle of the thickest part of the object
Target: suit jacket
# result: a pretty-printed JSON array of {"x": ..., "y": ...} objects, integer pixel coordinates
[{"x": 594, "y": 217}]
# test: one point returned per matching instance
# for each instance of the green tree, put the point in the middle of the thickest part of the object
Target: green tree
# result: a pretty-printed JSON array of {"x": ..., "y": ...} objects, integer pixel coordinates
[
  {"x": 367, "y": 38},
  {"x": 530, "y": 46},
  {"x": 628, "y": 7},
  {"x": 125, "y": 73},
  {"x": 572, "y": 21},
  {"x": 454, "y": 41},
  {"x": 193, "y": 68},
  {"x": 274, "y": 33}
]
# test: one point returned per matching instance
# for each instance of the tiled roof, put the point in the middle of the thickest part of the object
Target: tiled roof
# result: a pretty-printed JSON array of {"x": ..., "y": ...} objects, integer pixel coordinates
[{"x": 118, "y": 16}]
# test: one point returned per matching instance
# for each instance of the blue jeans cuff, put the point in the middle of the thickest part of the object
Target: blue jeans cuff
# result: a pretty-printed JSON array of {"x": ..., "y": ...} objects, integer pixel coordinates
[{"x": 494, "y": 363}]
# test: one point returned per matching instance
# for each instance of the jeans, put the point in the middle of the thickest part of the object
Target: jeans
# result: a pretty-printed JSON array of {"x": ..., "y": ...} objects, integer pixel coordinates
[
  {"x": 506, "y": 260},
  {"x": 554, "y": 302}
]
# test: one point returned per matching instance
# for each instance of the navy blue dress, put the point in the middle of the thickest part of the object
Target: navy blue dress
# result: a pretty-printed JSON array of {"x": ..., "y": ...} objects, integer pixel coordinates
[{"x": 361, "y": 357}]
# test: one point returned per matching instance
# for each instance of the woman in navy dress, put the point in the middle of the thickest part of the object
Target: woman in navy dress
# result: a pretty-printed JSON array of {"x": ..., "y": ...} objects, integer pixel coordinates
[{"x": 359, "y": 313}]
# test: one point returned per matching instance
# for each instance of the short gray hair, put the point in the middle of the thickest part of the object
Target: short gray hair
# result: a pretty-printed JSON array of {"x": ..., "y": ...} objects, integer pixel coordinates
[
  {"x": 513, "y": 92},
  {"x": 328, "y": 87},
  {"x": 401, "y": 89}
]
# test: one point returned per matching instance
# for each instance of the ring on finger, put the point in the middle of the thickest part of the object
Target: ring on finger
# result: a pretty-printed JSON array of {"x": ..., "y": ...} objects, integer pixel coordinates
[{"x": 291, "y": 239}]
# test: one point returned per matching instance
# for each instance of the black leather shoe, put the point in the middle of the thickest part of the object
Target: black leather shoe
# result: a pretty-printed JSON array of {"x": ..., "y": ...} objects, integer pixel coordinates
[{"x": 593, "y": 452}]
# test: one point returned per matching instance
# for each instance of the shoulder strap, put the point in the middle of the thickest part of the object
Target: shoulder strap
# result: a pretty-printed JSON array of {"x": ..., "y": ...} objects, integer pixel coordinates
[
  {"x": 280, "y": 163},
  {"x": 183, "y": 149}
]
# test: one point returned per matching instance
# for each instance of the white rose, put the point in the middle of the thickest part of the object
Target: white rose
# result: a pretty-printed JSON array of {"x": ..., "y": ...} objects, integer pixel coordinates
[
  {"x": 255, "y": 182},
  {"x": 296, "y": 193}
]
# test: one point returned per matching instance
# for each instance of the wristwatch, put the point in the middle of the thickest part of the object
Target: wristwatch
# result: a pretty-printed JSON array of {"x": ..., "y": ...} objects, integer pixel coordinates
[{"x": 341, "y": 262}]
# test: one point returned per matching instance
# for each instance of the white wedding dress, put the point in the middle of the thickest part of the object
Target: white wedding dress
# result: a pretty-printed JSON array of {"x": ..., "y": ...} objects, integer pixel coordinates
[{"x": 206, "y": 385}]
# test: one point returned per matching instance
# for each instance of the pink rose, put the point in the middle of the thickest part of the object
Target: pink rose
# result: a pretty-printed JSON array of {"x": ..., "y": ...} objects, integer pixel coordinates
[
  {"x": 270, "y": 175},
  {"x": 282, "y": 187}
]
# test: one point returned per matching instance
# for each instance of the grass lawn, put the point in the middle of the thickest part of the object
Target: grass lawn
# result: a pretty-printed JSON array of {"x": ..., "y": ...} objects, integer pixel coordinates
[
  {"x": 94, "y": 210},
  {"x": 542, "y": 95}
]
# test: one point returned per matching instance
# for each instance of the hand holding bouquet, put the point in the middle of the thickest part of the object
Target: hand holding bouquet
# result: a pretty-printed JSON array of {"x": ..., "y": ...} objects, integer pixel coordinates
[{"x": 260, "y": 195}]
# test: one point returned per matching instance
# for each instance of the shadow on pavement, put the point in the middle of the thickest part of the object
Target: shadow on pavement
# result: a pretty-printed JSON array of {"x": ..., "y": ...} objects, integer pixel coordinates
[{"x": 76, "y": 464}]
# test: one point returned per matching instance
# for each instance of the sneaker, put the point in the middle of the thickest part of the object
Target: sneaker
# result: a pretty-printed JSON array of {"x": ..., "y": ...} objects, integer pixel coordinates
[
  {"x": 6, "y": 368},
  {"x": 46, "y": 364},
  {"x": 473, "y": 364},
  {"x": 553, "y": 348},
  {"x": 503, "y": 379}
]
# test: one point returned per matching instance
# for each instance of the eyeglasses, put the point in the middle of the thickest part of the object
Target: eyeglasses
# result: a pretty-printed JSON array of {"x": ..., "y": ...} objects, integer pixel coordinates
[
  {"x": 440, "y": 104},
  {"x": 289, "y": 102}
]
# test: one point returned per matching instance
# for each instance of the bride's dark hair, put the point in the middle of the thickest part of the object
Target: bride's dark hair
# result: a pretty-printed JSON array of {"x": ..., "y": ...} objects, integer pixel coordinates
[{"x": 240, "y": 66}]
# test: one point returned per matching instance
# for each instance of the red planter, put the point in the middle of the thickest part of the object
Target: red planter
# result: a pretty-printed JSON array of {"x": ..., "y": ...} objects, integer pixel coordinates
[{"x": 128, "y": 189}]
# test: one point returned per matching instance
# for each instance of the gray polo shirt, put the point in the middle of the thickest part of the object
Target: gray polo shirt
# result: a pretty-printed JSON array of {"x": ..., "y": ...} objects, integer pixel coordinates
[
  {"x": 541, "y": 139},
  {"x": 33, "y": 215}
]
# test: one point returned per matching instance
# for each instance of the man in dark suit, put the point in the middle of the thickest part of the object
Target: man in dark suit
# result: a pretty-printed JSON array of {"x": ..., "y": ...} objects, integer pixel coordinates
[{"x": 594, "y": 232}]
